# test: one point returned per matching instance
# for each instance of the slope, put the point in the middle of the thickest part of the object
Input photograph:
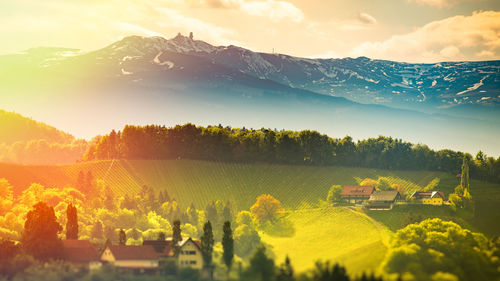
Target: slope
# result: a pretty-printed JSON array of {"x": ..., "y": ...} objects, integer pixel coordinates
[
  {"x": 201, "y": 182},
  {"x": 15, "y": 127},
  {"x": 335, "y": 234}
]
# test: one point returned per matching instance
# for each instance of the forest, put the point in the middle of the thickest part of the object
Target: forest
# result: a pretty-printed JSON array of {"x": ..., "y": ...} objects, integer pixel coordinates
[{"x": 218, "y": 143}]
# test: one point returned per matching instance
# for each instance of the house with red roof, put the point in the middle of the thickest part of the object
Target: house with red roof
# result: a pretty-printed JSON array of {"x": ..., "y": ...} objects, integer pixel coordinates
[
  {"x": 81, "y": 253},
  {"x": 189, "y": 252},
  {"x": 137, "y": 259},
  {"x": 356, "y": 194}
]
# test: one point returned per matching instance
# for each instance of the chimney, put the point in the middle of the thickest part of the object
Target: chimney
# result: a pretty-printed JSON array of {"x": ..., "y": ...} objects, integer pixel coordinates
[{"x": 191, "y": 35}]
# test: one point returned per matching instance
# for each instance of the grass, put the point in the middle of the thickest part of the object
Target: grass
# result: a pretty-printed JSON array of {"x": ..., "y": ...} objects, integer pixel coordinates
[
  {"x": 200, "y": 181},
  {"x": 338, "y": 234},
  {"x": 394, "y": 218},
  {"x": 356, "y": 239},
  {"x": 295, "y": 186}
]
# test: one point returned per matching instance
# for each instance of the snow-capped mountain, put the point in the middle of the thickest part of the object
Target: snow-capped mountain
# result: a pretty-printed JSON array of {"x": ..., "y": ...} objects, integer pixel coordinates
[
  {"x": 359, "y": 79},
  {"x": 153, "y": 80}
]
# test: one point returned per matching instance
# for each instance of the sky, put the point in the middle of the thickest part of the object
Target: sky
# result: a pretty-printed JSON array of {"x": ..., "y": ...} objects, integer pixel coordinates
[{"x": 401, "y": 30}]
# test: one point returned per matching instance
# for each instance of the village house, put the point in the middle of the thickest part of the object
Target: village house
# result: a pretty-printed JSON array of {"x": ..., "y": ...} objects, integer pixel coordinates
[
  {"x": 384, "y": 199},
  {"x": 81, "y": 254},
  {"x": 137, "y": 259},
  {"x": 189, "y": 252},
  {"x": 429, "y": 197},
  {"x": 356, "y": 194}
]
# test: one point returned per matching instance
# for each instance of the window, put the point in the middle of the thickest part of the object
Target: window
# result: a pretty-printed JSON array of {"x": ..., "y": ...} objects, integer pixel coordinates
[{"x": 192, "y": 262}]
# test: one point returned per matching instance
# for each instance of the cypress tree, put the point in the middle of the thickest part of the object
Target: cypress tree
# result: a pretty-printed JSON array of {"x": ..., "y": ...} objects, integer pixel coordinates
[
  {"x": 176, "y": 236},
  {"x": 227, "y": 245},
  {"x": 122, "y": 237},
  {"x": 464, "y": 179},
  {"x": 72, "y": 222},
  {"x": 207, "y": 244}
]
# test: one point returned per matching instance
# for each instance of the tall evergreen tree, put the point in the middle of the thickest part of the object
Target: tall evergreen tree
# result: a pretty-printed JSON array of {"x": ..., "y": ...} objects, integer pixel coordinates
[
  {"x": 176, "y": 236},
  {"x": 72, "y": 222},
  {"x": 464, "y": 179},
  {"x": 207, "y": 244},
  {"x": 122, "y": 237},
  {"x": 227, "y": 245}
]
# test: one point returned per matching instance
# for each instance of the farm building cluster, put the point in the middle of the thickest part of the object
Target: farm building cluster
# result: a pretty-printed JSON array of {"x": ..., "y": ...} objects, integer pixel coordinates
[
  {"x": 148, "y": 258},
  {"x": 374, "y": 199}
]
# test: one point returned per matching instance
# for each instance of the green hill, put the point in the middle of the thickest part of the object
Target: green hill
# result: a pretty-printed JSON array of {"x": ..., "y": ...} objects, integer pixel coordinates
[
  {"x": 15, "y": 127},
  {"x": 337, "y": 234},
  {"x": 201, "y": 181},
  {"x": 295, "y": 186}
]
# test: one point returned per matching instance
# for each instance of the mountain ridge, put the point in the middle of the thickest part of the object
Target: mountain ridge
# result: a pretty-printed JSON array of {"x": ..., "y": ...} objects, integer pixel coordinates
[{"x": 359, "y": 79}]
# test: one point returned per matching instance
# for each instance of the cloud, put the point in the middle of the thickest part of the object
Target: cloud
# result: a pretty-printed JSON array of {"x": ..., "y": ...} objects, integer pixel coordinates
[
  {"x": 135, "y": 29},
  {"x": 175, "y": 20},
  {"x": 274, "y": 10},
  {"x": 366, "y": 18},
  {"x": 475, "y": 37},
  {"x": 441, "y": 3}
]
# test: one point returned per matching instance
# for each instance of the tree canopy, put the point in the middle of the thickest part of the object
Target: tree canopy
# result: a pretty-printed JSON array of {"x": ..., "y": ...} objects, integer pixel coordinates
[
  {"x": 434, "y": 247},
  {"x": 306, "y": 147},
  {"x": 40, "y": 233},
  {"x": 267, "y": 208}
]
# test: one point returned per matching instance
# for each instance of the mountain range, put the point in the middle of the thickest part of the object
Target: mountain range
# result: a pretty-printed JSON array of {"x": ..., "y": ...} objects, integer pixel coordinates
[{"x": 143, "y": 80}]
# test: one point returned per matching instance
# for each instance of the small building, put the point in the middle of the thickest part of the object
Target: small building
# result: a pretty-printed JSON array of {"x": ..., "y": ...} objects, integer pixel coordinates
[
  {"x": 384, "y": 199},
  {"x": 81, "y": 254},
  {"x": 137, "y": 259},
  {"x": 429, "y": 197},
  {"x": 189, "y": 252},
  {"x": 356, "y": 194}
]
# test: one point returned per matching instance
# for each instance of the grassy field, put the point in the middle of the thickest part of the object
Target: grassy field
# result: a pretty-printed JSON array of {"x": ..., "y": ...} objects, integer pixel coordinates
[
  {"x": 336, "y": 233},
  {"x": 355, "y": 238},
  {"x": 200, "y": 181},
  {"x": 295, "y": 186}
]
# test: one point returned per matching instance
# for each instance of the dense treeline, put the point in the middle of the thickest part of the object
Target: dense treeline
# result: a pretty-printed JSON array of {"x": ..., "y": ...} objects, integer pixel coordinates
[{"x": 307, "y": 147}]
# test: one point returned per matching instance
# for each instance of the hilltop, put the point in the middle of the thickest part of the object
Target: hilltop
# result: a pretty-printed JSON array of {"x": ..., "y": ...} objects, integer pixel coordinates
[
  {"x": 24, "y": 140},
  {"x": 15, "y": 127}
]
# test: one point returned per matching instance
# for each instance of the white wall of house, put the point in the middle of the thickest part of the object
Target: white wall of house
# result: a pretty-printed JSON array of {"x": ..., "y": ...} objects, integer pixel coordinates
[{"x": 190, "y": 256}]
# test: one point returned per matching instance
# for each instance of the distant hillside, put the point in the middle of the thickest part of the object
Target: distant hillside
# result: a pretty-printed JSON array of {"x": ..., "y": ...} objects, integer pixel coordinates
[
  {"x": 15, "y": 127},
  {"x": 26, "y": 141},
  {"x": 152, "y": 80}
]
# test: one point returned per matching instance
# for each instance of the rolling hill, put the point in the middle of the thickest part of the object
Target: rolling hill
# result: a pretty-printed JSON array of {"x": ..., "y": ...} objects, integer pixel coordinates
[
  {"x": 25, "y": 141},
  {"x": 296, "y": 187},
  {"x": 15, "y": 127},
  {"x": 337, "y": 234}
]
